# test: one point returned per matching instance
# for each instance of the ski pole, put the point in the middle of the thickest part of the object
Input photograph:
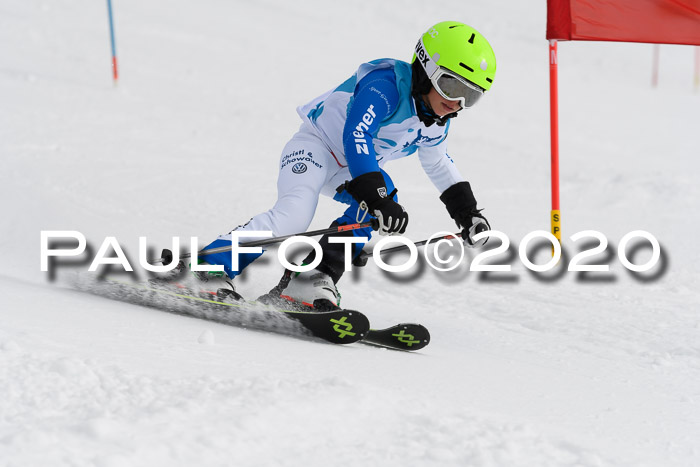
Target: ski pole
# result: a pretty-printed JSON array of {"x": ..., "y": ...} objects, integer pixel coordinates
[
  {"x": 362, "y": 258},
  {"x": 167, "y": 255}
]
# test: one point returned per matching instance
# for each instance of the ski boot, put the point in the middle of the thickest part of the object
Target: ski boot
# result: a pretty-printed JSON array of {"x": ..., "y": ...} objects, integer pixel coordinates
[
  {"x": 205, "y": 284},
  {"x": 219, "y": 281},
  {"x": 303, "y": 290}
]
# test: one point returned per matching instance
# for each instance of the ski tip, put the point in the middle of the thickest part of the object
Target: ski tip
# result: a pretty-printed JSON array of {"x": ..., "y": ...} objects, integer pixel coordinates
[
  {"x": 337, "y": 326},
  {"x": 405, "y": 336}
]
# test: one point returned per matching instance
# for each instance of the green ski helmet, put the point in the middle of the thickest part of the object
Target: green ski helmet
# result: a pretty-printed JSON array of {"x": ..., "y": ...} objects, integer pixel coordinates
[{"x": 456, "y": 60}]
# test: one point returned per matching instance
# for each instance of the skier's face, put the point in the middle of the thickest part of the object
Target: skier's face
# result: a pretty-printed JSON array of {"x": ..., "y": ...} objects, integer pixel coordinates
[{"x": 440, "y": 105}]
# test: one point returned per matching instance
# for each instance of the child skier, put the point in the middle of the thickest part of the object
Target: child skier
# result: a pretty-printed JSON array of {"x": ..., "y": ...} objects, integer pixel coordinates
[{"x": 387, "y": 110}]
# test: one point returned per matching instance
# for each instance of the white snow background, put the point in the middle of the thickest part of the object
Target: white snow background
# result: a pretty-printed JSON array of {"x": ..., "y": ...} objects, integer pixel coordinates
[{"x": 520, "y": 372}]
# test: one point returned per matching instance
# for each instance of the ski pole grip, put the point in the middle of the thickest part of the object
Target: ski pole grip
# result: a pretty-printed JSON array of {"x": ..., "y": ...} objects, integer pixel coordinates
[{"x": 374, "y": 223}]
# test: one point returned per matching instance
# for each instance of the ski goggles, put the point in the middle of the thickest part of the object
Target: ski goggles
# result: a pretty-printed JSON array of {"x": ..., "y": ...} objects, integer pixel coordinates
[
  {"x": 456, "y": 88},
  {"x": 448, "y": 84}
]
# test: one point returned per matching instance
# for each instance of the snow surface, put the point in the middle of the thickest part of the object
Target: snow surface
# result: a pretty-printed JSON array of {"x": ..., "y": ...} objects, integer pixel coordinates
[{"x": 601, "y": 371}]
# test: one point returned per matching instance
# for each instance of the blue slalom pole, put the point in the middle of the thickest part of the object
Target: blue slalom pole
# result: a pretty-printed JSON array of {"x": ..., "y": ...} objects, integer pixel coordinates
[{"x": 115, "y": 74}]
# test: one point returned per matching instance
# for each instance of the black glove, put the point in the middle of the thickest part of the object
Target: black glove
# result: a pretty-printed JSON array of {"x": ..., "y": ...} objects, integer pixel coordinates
[
  {"x": 461, "y": 205},
  {"x": 369, "y": 190}
]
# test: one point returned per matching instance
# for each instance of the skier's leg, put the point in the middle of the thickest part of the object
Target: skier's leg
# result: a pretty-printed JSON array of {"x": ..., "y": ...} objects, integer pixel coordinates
[
  {"x": 303, "y": 172},
  {"x": 317, "y": 288}
]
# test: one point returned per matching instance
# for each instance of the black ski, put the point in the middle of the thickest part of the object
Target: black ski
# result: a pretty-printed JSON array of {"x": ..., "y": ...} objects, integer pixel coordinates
[
  {"x": 337, "y": 326},
  {"x": 405, "y": 336}
]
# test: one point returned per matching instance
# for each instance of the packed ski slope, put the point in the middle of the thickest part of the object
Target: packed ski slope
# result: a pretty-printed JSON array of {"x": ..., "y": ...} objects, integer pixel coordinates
[{"x": 602, "y": 370}]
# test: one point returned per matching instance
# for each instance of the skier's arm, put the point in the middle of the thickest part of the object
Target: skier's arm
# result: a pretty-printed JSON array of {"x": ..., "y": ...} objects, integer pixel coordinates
[
  {"x": 456, "y": 193},
  {"x": 439, "y": 167},
  {"x": 375, "y": 97}
]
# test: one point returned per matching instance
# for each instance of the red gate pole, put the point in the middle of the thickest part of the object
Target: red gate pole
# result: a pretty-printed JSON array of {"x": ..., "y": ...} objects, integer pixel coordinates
[{"x": 554, "y": 133}]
